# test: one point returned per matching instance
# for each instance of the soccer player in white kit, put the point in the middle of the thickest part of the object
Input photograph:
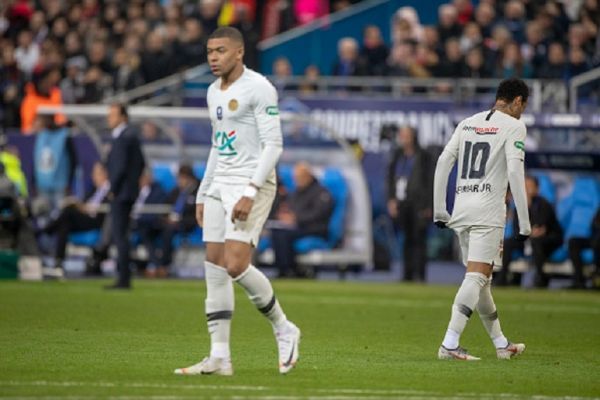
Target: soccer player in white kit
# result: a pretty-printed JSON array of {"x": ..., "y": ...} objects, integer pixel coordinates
[
  {"x": 235, "y": 198},
  {"x": 489, "y": 147}
]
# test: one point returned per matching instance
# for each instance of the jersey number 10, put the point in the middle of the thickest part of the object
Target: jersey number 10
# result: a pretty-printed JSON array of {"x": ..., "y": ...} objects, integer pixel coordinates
[{"x": 474, "y": 152}]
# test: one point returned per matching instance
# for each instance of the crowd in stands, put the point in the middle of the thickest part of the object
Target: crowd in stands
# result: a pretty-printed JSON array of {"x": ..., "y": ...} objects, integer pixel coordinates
[
  {"x": 546, "y": 39},
  {"x": 87, "y": 50}
]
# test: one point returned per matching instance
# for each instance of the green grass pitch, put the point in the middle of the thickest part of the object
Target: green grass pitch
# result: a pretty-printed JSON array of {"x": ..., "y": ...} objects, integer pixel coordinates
[{"x": 74, "y": 340}]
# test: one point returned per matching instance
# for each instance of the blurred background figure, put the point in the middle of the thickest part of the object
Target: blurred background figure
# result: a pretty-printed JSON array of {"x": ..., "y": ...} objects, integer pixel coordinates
[
  {"x": 410, "y": 200},
  {"x": 305, "y": 212},
  {"x": 546, "y": 237}
]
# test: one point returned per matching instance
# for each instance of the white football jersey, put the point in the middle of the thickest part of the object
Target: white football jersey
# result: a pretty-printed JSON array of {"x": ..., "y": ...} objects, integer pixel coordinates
[
  {"x": 482, "y": 144},
  {"x": 244, "y": 119}
]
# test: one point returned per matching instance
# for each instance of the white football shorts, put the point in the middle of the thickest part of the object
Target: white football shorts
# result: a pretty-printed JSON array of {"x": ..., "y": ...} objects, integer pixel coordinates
[
  {"x": 481, "y": 244},
  {"x": 218, "y": 207}
]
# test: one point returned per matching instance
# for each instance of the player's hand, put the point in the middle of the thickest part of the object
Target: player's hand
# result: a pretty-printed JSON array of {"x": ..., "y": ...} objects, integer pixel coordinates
[
  {"x": 200, "y": 214},
  {"x": 440, "y": 224},
  {"x": 521, "y": 238},
  {"x": 242, "y": 209}
]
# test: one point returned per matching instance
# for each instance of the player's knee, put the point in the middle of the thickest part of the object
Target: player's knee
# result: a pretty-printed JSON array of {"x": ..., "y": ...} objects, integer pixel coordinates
[{"x": 235, "y": 269}]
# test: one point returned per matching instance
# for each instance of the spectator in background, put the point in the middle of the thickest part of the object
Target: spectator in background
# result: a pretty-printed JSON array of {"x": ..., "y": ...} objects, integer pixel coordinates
[
  {"x": 148, "y": 225},
  {"x": 579, "y": 244},
  {"x": 555, "y": 67},
  {"x": 96, "y": 85},
  {"x": 282, "y": 73},
  {"x": 310, "y": 82},
  {"x": 501, "y": 36},
  {"x": 27, "y": 53},
  {"x": 410, "y": 200},
  {"x": 464, "y": 8},
  {"x": 546, "y": 237},
  {"x": 431, "y": 39},
  {"x": 156, "y": 59},
  {"x": 11, "y": 164},
  {"x": 401, "y": 60},
  {"x": 470, "y": 38},
  {"x": 126, "y": 73},
  {"x": 452, "y": 65},
  {"x": 535, "y": 49},
  {"x": 348, "y": 62},
  {"x": 305, "y": 213},
  {"x": 41, "y": 91},
  {"x": 72, "y": 87},
  {"x": 475, "y": 65},
  {"x": 512, "y": 65},
  {"x": 448, "y": 26},
  {"x": 98, "y": 56},
  {"x": 182, "y": 219},
  {"x": 485, "y": 16},
  {"x": 76, "y": 216},
  {"x": 577, "y": 63},
  {"x": 406, "y": 25},
  {"x": 374, "y": 52},
  {"x": 192, "y": 44},
  {"x": 12, "y": 80},
  {"x": 514, "y": 19}
]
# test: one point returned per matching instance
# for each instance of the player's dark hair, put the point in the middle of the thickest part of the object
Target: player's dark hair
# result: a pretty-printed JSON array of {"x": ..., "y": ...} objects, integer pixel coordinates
[
  {"x": 512, "y": 88},
  {"x": 229, "y": 33},
  {"x": 534, "y": 179},
  {"x": 122, "y": 110}
]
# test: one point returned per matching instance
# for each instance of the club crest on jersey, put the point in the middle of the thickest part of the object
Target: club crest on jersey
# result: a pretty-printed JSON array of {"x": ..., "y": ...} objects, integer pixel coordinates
[
  {"x": 224, "y": 142},
  {"x": 233, "y": 105},
  {"x": 219, "y": 113}
]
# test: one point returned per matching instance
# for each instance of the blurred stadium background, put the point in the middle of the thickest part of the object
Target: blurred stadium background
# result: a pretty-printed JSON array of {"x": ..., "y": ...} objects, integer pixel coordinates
[{"x": 349, "y": 75}]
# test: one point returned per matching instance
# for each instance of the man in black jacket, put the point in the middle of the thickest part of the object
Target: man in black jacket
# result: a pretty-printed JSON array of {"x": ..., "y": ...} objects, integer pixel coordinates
[
  {"x": 577, "y": 245},
  {"x": 410, "y": 198},
  {"x": 306, "y": 213},
  {"x": 125, "y": 164},
  {"x": 546, "y": 236}
]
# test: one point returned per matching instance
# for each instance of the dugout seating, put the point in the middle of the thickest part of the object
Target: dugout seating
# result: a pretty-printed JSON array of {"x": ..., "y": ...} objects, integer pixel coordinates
[
  {"x": 314, "y": 251},
  {"x": 575, "y": 213}
]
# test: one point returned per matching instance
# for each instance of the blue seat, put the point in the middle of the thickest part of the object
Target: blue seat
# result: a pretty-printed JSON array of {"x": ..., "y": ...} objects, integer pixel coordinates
[
  {"x": 334, "y": 182},
  {"x": 286, "y": 175},
  {"x": 164, "y": 176},
  {"x": 199, "y": 170},
  {"x": 575, "y": 214},
  {"x": 547, "y": 188},
  {"x": 85, "y": 238}
]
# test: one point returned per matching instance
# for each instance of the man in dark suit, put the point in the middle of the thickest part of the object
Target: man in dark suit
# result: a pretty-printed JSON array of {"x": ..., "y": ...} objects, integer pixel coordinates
[
  {"x": 410, "y": 200},
  {"x": 125, "y": 164}
]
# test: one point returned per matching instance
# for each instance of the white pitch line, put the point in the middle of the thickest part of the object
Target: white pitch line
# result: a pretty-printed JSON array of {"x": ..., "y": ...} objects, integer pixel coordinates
[{"x": 328, "y": 394}]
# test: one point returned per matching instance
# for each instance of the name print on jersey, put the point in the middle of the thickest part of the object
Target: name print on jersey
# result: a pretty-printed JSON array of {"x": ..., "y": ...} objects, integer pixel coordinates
[
  {"x": 489, "y": 130},
  {"x": 224, "y": 142}
]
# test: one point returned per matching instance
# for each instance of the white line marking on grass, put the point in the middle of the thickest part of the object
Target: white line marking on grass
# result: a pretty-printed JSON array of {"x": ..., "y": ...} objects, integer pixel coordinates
[{"x": 327, "y": 394}]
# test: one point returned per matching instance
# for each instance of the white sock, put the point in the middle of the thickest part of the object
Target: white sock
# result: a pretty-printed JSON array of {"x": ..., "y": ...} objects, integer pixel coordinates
[
  {"x": 219, "y": 305},
  {"x": 465, "y": 301},
  {"x": 260, "y": 292},
  {"x": 489, "y": 316}
]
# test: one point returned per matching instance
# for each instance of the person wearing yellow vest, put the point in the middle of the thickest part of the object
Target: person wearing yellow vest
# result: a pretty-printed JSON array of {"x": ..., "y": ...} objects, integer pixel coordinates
[{"x": 12, "y": 167}]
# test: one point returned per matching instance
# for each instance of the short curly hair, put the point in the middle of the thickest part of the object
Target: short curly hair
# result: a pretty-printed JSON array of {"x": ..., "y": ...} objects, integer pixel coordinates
[{"x": 512, "y": 88}]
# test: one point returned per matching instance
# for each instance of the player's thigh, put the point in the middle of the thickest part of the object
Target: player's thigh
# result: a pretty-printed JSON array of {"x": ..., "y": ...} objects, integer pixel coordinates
[
  {"x": 249, "y": 231},
  {"x": 463, "y": 241},
  {"x": 485, "y": 244},
  {"x": 215, "y": 253},
  {"x": 213, "y": 230}
]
